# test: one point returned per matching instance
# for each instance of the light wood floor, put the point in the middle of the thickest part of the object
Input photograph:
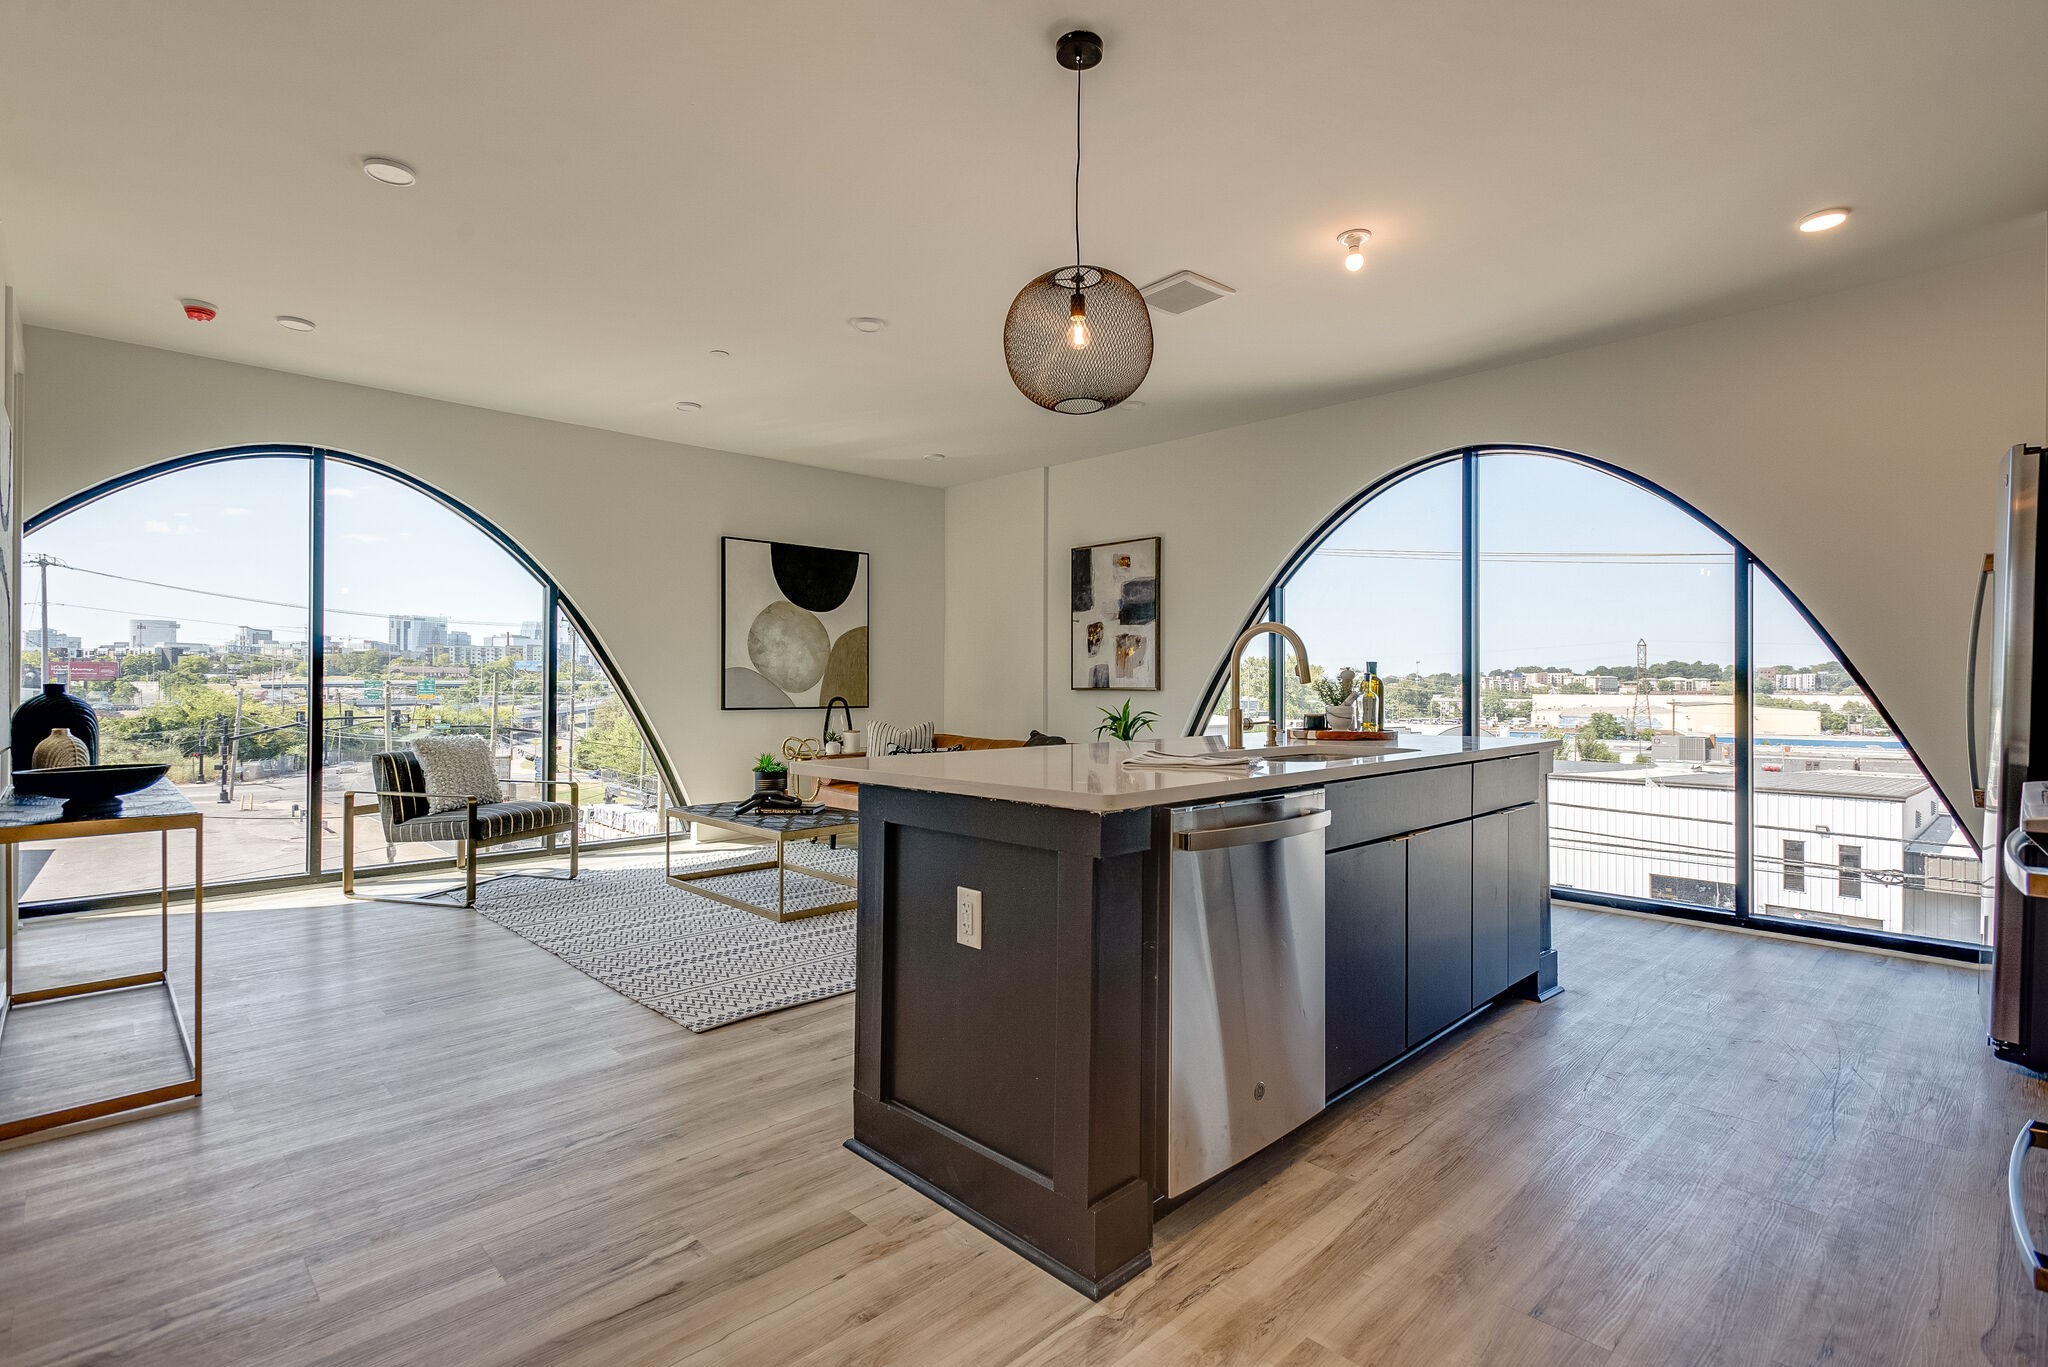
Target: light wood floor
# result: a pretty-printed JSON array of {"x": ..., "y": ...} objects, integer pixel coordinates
[{"x": 426, "y": 1141}]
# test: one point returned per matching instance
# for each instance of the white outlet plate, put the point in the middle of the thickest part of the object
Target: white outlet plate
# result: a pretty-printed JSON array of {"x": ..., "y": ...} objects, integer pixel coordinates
[{"x": 967, "y": 916}]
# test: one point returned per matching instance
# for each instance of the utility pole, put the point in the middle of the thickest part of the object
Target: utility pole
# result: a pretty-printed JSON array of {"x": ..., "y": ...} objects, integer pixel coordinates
[{"x": 43, "y": 563}]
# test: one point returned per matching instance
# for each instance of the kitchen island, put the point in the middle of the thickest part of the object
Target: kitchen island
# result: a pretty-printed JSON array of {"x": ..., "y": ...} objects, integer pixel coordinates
[{"x": 1084, "y": 988}]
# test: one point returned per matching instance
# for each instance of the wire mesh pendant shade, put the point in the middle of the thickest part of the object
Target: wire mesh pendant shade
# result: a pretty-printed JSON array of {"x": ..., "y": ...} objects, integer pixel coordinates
[{"x": 1068, "y": 379}]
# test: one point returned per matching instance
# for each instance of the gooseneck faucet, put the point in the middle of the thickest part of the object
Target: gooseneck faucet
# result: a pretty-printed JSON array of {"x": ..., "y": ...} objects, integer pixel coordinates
[
  {"x": 840, "y": 702},
  {"x": 1280, "y": 707}
]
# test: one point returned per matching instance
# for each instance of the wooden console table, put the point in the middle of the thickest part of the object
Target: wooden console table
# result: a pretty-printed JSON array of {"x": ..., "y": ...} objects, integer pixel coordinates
[{"x": 161, "y": 808}]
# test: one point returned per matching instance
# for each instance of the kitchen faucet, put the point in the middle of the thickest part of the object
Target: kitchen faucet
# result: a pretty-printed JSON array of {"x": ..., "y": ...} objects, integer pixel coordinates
[{"x": 1280, "y": 704}]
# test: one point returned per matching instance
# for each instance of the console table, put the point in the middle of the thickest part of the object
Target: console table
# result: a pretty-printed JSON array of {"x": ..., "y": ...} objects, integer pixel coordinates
[
  {"x": 780, "y": 827},
  {"x": 160, "y": 808}
]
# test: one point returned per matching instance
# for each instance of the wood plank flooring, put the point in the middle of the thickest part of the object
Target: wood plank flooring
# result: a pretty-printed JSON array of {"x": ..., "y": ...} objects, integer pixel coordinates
[{"x": 427, "y": 1141}]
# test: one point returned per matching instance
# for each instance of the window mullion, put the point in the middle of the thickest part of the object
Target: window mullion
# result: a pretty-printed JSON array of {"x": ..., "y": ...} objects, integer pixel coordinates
[{"x": 1745, "y": 727}]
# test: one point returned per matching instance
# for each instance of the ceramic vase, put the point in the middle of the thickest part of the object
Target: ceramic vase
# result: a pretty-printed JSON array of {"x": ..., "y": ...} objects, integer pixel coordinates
[
  {"x": 771, "y": 782},
  {"x": 60, "y": 750},
  {"x": 46, "y": 712}
]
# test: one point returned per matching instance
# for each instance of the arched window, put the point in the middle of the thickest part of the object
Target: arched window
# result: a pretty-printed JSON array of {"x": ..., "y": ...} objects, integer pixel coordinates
[
  {"x": 181, "y": 601},
  {"x": 1718, "y": 758}
]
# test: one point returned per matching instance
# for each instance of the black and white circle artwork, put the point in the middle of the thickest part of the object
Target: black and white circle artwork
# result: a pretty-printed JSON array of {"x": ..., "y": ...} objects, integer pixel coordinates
[{"x": 796, "y": 625}]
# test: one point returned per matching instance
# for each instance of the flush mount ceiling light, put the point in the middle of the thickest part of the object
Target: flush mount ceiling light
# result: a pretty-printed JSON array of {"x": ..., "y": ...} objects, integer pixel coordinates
[
  {"x": 388, "y": 172},
  {"x": 687, "y": 405},
  {"x": 720, "y": 355},
  {"x": 286, "y": 320},
  {"x": 867, "y": 324},
  {"x": 1078, "y": 339},
  {"x": 1822, "y": 220},
  {"x": 1354, "y": 242},
  {"x": 935, "y": 457}
]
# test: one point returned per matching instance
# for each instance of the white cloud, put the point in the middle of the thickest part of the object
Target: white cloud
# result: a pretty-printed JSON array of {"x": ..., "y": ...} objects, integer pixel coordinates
[
  {"x": 365, "y": 538},
  {"x": 157, "y": 526},
  {"x": 340, "y": 491},
  {"x": 236, "y": 512}
]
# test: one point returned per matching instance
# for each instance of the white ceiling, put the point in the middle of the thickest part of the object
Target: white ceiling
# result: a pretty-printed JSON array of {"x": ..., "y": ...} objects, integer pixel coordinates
[{"x": 608, "y": 191}]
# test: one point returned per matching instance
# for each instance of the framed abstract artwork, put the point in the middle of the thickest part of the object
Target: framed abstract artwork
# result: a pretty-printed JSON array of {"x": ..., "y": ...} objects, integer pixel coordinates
[
  {"x": 1114, "y": 591},
  {"x": 795, "y": 625}
]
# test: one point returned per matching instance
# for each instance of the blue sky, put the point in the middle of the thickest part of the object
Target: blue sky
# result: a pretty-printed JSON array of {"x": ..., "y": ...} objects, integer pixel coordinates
[
  {"x": 239, "y": 527},
  {"x": 1575, "y": 567}
]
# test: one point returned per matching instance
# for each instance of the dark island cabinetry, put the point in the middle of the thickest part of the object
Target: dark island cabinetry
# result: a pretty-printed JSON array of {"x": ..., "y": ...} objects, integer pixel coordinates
[{"x": 1436, "y": 908}]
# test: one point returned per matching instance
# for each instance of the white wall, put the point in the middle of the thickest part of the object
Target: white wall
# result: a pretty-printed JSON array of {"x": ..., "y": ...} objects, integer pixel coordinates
[
  {"x": 628, "y": 527},
  {"x": 1852, "y": 441},
  {"x": 995, "y": 655}
]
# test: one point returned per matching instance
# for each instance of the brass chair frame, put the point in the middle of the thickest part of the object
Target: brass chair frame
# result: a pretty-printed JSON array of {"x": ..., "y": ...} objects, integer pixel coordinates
[{"x": 465, "y": 850}]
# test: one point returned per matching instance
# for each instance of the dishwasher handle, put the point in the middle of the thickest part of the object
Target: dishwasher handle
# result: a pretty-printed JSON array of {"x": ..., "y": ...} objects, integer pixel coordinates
[
  {"x": 2035, "y": 1135},
  {"x": 1251, "y": 833}
]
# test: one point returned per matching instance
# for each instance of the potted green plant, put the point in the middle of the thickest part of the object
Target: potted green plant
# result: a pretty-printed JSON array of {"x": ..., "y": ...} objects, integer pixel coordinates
[
  {"x": 1123, "y": 724},
  {"x": 769, "y": 774}
]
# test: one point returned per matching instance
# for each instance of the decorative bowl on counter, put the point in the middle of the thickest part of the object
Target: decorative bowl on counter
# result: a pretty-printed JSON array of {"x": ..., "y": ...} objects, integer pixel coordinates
[{"x": 89, "y": 790}]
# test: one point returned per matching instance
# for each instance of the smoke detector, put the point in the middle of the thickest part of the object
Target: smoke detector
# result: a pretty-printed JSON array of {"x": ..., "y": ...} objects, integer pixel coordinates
[{"x": 1184, "y": 290}]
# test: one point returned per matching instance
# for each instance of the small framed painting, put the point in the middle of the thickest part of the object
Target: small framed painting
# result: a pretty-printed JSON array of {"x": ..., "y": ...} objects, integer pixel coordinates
[
  {"x": 795, "y": 625},
  {"x": 1114, "y": 641}
]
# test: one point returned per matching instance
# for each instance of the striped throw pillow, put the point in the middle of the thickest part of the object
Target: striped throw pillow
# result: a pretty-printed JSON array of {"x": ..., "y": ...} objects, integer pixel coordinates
[{"x": 886, "y": 738}]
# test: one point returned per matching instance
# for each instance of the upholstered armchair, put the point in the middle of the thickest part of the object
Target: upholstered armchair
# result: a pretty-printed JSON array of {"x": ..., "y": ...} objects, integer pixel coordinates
[{"x": 402, "y": 806}]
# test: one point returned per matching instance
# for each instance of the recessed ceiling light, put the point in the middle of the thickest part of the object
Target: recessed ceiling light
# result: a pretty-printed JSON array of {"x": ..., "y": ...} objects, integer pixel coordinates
[
  {"x": 721, "y": 355},
  {"x": 687, "y": 405},
  {"x": 1823, "y": 220},
  {"x": 388, "y": 172},
  {"x": 867, "y": 324},
  {"x": 935, "y": 456},
  {"x": 286, "y": 320}
]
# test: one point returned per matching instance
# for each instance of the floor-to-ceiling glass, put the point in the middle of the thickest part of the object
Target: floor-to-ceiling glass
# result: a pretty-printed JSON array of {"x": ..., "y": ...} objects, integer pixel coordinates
[
  {"x": 1846, "y": 829},
  {"x": 598, "y": 744},
  {"x": 181, "y": 604},
  {"x": 1571, "y": 602},
  {"x": 432, "y": 628},
  {"x": 176, "y": 607},
  {"x": 1607, "y": 623},
  {"x": 1384, "y": 588}
]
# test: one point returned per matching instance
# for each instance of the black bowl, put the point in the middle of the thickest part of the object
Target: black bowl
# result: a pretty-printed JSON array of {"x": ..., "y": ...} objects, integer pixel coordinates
[{"x": 89, "y": 790}]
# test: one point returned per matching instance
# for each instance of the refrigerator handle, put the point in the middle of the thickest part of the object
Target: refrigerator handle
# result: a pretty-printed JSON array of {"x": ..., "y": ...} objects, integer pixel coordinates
[{"x": 1970, "y": 703}]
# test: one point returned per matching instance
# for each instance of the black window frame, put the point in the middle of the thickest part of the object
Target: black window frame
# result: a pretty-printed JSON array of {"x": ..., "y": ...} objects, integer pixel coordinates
[
  {"x": 1270, "y": 604},
  {"x": 555, "y": 605}
]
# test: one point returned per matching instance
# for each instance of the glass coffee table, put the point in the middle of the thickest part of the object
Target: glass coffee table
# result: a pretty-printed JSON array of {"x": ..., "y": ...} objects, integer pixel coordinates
[{"x": 781, "y": 828}]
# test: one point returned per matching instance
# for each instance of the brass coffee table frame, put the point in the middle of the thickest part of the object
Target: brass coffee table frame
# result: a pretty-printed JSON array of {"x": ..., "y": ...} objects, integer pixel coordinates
[
  {"x": 156, "y": 808},
  {"x": 690, "y": 880}
]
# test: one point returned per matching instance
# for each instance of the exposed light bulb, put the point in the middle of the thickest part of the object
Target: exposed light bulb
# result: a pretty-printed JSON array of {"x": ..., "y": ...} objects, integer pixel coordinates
[
  {"x": 1077, "y": 329},
  {"x": 1354, "y": 241}
]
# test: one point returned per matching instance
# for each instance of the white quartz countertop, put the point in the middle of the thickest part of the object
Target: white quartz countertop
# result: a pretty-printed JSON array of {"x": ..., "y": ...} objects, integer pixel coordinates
[{"x": 1094, "y": 778}]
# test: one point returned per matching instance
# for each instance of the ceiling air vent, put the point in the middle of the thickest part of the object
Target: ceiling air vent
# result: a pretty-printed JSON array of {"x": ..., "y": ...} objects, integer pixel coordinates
[{"x": 1184, "y": 290}]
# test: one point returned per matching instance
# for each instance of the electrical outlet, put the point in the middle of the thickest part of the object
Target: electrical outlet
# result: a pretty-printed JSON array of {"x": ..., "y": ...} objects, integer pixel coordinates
[{"x": 967, "y": 916}]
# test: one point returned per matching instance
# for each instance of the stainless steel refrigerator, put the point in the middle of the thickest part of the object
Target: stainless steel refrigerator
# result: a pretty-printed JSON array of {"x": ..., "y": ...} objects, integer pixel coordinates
[{"x": 2013, "y": 859}]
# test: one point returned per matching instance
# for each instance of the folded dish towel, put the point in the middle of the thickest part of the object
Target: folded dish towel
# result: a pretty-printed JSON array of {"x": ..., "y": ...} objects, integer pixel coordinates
[{"x": 1160, "y": 759}]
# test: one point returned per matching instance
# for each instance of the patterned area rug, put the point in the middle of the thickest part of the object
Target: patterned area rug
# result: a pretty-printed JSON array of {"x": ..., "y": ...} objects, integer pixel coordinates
[{"x": 700, "y": 963}]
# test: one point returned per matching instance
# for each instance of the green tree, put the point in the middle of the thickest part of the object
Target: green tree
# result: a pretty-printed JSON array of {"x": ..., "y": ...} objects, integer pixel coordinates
[
  {"x": 1595, "y": 750},
  {"x": 1576, "y": 686},
  {"x": 1603, "y": 726}
]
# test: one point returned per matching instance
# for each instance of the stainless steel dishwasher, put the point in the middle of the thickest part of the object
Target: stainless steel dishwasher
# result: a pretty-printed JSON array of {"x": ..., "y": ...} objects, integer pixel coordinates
[{"x": 1245, "y": 991}]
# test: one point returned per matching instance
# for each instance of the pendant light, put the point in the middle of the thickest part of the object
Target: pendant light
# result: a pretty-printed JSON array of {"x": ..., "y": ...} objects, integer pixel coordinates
[{"x": 1079, "y": 338}]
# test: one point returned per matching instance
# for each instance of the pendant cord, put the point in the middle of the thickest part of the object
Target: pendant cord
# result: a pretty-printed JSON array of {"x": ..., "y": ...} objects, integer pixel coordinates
[{"x": 1077, "y": 174}]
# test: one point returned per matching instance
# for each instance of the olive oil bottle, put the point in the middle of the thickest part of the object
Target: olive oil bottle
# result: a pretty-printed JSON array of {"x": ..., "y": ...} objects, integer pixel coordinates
[{"x": 1372, "y": 700}]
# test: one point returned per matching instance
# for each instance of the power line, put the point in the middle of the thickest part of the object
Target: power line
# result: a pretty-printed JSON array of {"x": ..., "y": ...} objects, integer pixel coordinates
[{"x": 55, "y": 563}]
